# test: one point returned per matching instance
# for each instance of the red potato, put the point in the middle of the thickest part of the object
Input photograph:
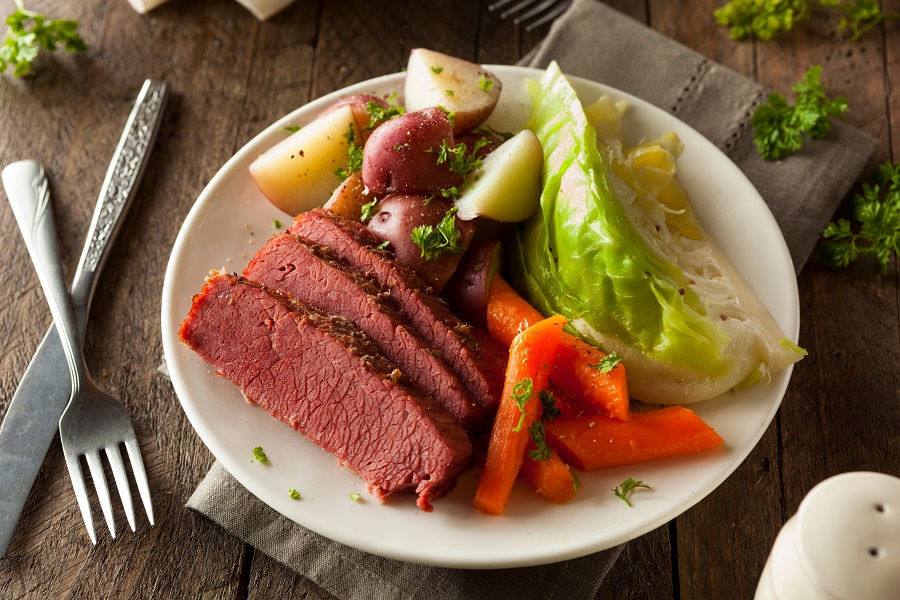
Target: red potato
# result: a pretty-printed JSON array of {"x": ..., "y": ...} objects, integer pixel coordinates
[
  {"x": 349, "y": 197},
  {"x": 358, "y": 103},
  {"x": 401, "y": 156},
  {"x": 459, "y": 86},
  {"x": 469, "y": 287},
  {"x": 396, "y": 218}
]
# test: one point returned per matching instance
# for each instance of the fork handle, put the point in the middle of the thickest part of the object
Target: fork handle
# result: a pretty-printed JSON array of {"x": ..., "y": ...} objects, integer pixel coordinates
[
  {"x": 29, "y": 195},
  {"x": 126, "y": 169}
]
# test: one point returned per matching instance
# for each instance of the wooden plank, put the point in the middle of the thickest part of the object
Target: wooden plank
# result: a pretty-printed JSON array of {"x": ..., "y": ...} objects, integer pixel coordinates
[{"x": 50, "y": 555}]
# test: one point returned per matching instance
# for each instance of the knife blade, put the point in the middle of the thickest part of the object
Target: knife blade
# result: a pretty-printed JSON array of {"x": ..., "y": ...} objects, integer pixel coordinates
[{"x": 32, "y": 418}]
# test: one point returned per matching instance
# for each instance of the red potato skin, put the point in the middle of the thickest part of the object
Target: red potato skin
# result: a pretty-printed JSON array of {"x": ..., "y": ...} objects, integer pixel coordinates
[
  {"x": 357, "y": 104},
  {"x": 399, "y": 214},
  {"x": 349, "y": 197},
  {"x": 469, "y": 287},
  {"x": 400, "y": 157}
]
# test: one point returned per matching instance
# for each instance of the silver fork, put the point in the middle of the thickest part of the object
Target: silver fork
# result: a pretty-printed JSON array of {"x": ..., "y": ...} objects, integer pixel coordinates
[
  {"x": 531, "y": 13},
  {"x": 93, "y": 420}
]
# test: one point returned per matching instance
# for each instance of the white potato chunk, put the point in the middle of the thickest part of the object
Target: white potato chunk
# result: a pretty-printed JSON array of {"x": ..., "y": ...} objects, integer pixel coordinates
[
  {"x": 458, "y": 86},
  {"x": 507, "y": 187},
  {"x": 298, "y": 173}
]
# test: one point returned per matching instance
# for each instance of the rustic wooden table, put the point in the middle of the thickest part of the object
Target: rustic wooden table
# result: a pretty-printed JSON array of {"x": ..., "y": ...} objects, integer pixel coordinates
[{"x": 231, "y": 76}]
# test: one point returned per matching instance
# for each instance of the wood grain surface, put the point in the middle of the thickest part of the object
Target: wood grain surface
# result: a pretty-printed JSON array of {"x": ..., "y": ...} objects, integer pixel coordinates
[{"x": 231, "y": 76}]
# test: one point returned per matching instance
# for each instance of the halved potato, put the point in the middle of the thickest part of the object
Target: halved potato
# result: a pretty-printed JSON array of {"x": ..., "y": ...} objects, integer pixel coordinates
[
  {"x": 298, "y": 173},
  {"x": 458, "y": 86},
  {"x": 507, "y": 187}
]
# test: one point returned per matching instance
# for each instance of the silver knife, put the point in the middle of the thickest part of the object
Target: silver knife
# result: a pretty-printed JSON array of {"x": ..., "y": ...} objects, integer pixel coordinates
[{"x": 32, "y": 418}]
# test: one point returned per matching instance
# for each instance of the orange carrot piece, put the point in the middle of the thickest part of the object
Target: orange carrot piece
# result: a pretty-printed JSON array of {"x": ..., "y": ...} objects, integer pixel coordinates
[
  {"x": 598, "y": 442},
  {"x": 551, "y": 478},
  {"x": 509, "y": 314},
  {"x": 531, "y": 357}
]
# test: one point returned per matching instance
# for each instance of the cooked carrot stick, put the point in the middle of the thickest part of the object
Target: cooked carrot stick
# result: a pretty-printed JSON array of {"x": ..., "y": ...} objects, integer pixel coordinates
[
  {"x": 551, "y": 478},
  {"x": 577, "y": 370},
  {"x": 531, "y": 358},
  {"x": 598, "y": 442}
]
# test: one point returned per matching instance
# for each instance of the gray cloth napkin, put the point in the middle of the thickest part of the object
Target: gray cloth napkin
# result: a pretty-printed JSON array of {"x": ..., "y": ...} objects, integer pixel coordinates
[{"x": 593, "y": 41}]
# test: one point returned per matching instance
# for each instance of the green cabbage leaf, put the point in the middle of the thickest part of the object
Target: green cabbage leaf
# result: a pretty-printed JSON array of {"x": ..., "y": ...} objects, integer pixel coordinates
[{"x": 601, "y": 253}]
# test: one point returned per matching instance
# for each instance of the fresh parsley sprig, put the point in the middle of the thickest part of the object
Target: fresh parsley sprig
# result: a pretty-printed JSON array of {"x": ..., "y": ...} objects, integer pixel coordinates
[
  {"x": 876, "y": 233},
  {"x": 626, "y": 487},
  {"x": 436, "y": 239},
  {"x": 354, "y": 155},
  {"x": 260, "y": 455},
  {"x": 779, "y": 128},
  {"x": 30, "y": 31},
  {"x": 521, "y": 392},
  {"x": 607, "y": 363},
  {"x": 378, "y": 115},
  {"x": 538, "y": 435},
  {"x": 766, "y": 19}
]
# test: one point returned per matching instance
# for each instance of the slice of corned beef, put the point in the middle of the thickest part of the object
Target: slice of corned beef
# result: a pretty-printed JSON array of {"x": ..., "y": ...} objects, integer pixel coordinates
[
  {"x": 433, "y": 321},
  {"x": 315, "y": 275},
  {"x": 325, "y": 378}
]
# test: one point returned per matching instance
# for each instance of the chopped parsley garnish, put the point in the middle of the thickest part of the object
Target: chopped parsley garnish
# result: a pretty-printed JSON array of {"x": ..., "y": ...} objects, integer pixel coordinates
[
  {"x": 539, "y": 437},
  {"x": 260, "y": 456},
  {"x": 462, "y": 162},
  {"x": 292, "y": 128},
  {"x": 367, "y": 211},
  {"x": 576, "y": 482},
  {"x": 437, "y": 70},
  {"x": 607, "y": 363},
  {"x": 354, "y": 154},
  {"x": 451, "y": 116},
  {"x": 521, "y": 392},
  {"x": 383, "y": 245},
  {"x": 779, "y": 128},
  {"x": 294, "y": 494},
  {"x": 549, "y": 409},
  {"x": 435, "y": 239},
  {"x": 449, "y": 93},
  {"x": 355, "y": 496},
  {"x": 628, "y": 486},
  {"x": 378, "y": 115},
  {"x": 276, "y": 223},
  {"x": 485, "y": 83},
  {"x": 29, "y": 32},
  {"x": 877, "y": 233},
  {"x": 487, "y": 130}
]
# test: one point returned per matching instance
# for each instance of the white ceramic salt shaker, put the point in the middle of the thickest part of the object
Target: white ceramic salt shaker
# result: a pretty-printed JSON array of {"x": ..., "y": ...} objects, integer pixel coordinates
[{"x": 843, "y": 543}]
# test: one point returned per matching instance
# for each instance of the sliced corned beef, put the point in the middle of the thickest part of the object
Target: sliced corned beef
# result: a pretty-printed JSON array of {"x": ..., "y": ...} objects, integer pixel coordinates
[
  {"x": 433, "y": 321},
  {"x": 325, "y": 378},
  {"x": 315, "y": 274}
]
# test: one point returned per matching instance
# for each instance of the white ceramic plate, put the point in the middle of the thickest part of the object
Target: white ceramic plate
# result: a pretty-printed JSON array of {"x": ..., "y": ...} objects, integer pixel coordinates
[{"x": 231, "y": 220}]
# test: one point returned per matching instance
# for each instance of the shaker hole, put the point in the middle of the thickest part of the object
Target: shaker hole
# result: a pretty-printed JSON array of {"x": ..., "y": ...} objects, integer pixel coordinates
[
  {"x": 879, "y": 508},
  {"x": 874, "y": 552}
]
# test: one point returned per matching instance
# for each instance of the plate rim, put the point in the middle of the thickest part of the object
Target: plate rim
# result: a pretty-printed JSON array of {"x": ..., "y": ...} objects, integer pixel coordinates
[{"x": 410, "y": 555}]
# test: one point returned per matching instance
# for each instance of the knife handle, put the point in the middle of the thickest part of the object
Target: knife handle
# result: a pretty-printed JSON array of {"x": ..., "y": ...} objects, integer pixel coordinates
[
  {"x": 118, "y": 193},
  {"x": 29, "y": 196}
]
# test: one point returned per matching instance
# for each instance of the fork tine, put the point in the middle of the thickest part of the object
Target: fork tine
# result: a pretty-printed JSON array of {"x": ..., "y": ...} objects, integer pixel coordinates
[
  {"x": 118, "y": 468},
  {"x": 140, "y": 474},
  {"x": 514, "y": 9},
  {"x": 548, "y": 16},
  {"x": 81, "y": 495},
  {"x": 99, "y": 477},
  {"x": 499, "y": 4}
]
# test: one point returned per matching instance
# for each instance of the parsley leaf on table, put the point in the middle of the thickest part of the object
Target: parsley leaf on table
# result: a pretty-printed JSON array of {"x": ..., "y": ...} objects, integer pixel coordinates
[
  {"x": 766, "y": 19},
  {"x": 29, "y": 32},
  {"x": 779, "y": 128},
  {"x": 877, "y": 210}
]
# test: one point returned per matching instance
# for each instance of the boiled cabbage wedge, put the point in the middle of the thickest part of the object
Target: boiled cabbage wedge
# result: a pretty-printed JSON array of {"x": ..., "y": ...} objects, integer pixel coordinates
[{"x": 616, "y": 248}]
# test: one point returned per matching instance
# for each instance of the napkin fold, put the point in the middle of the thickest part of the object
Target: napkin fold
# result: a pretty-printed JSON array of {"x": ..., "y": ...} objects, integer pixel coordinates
[{"x": 593, "y": 41}]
